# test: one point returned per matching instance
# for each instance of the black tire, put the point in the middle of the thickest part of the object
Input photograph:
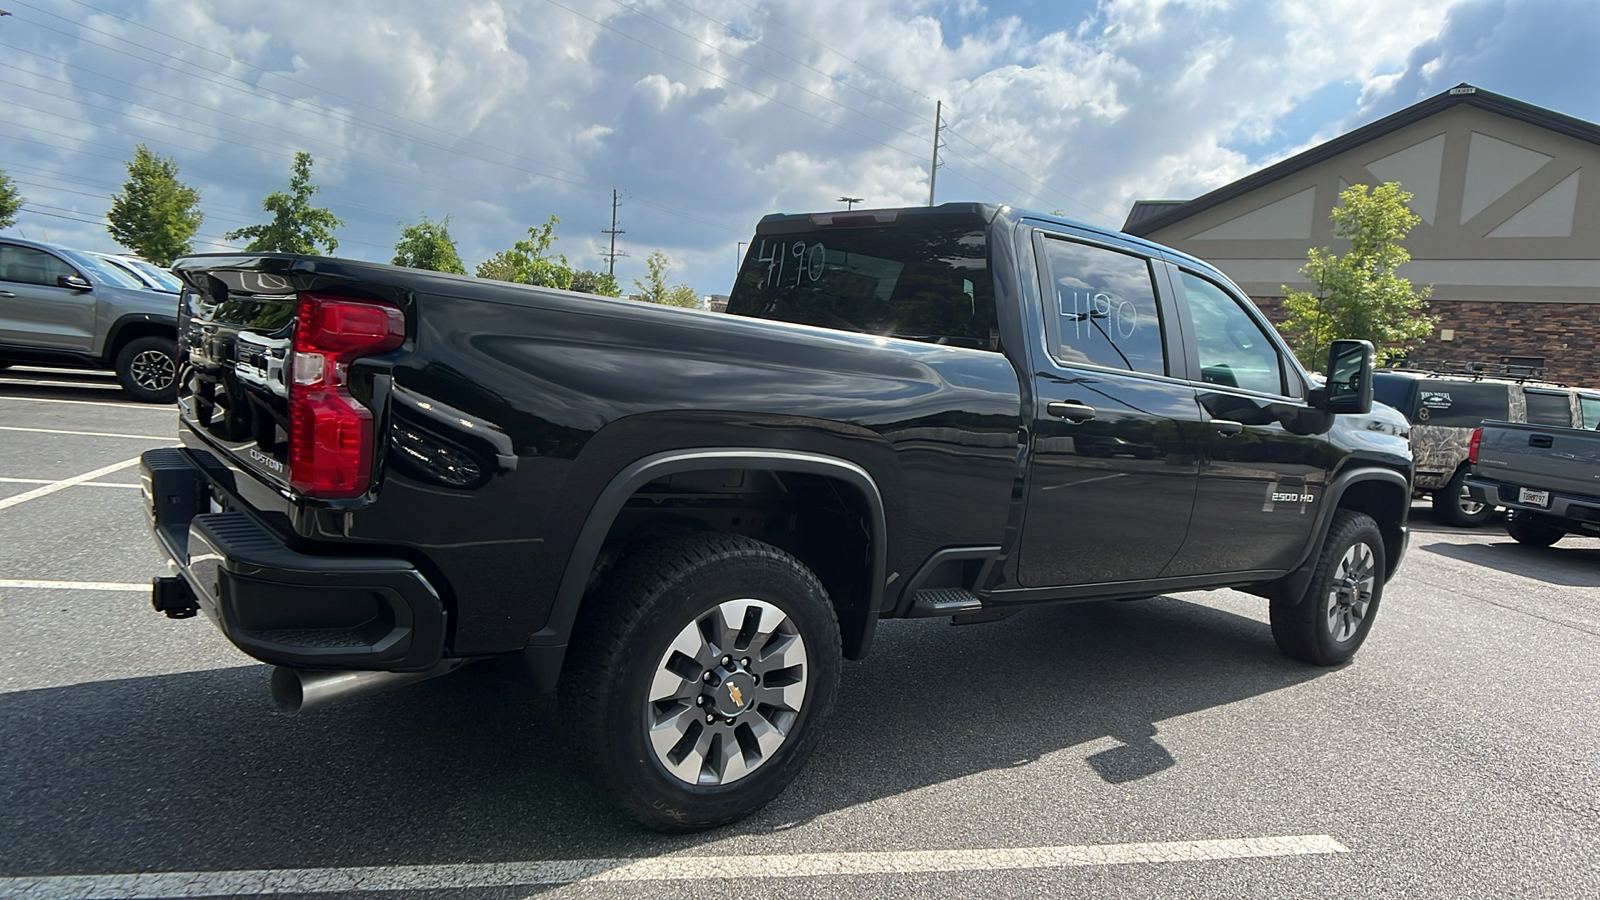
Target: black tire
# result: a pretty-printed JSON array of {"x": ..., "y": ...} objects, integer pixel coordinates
[
  {"x": 1456, "y": 507},
  {"x": 1533, "y": 530},
  {"x": 629, "y": 653},
  {"x": 1328, "y": 625},
  {"x": 147, "y": 368}
]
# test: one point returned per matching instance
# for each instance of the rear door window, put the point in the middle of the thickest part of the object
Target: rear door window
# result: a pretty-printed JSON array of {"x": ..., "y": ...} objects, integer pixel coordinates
[
  {"x": 1461, "y": 404},
  {"x": 1394, "y": 390},
  {"x": 1549, "y": 408},
  {"x": 1102, "y": 308},
  {"x": 1590, "y": 404}
]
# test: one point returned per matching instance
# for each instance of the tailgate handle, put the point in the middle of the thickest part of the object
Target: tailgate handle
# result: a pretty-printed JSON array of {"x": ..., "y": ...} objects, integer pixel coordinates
[{"x": 1540, "y": 440}]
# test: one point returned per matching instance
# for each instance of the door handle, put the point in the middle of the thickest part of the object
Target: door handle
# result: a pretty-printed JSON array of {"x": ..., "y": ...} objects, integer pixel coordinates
[
  {"x": 1071, "y": 410},
  {"x": 1226, "y": 427},
  {"x": 6, "y": 294}
]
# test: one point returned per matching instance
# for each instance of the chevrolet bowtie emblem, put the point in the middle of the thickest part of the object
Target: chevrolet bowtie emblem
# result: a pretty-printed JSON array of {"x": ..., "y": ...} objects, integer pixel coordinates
[{"x": 738, "y": 697}]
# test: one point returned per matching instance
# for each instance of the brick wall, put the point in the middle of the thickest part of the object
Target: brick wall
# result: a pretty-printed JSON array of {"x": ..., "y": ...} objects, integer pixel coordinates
[{"x": 1567, "y": 335}]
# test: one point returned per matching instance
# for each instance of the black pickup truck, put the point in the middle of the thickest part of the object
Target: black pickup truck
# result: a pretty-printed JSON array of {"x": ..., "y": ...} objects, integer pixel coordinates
[{"x": 683, "y": 520}]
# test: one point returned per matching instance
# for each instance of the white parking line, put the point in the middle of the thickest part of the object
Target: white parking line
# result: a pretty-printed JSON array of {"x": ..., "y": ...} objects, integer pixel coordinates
[
  {"x": 65, "y": 483},
  {"x": 128, "y": 587},
  {"x": 110, "y": 484},
  {"x": 151, "y": 407},
  {"x": 110, "y": 434},
  {"x": 669, "y": 868}
]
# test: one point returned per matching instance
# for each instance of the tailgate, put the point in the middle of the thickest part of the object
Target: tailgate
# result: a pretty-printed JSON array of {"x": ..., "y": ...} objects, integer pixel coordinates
[
  {"x": 1566, "y": 460},
  {"x": 299, "y": 419}
]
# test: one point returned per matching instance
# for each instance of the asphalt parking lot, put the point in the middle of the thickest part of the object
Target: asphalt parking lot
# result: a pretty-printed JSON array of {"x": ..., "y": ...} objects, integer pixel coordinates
[{"x": 1161, "y": 748}]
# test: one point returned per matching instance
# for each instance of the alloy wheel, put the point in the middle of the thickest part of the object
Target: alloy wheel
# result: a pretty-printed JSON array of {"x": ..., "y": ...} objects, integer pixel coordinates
[
  {"x": 1350, "y": 594},
  {"x": 152, "y": 370},
  {"x": 727, "y": 692}
]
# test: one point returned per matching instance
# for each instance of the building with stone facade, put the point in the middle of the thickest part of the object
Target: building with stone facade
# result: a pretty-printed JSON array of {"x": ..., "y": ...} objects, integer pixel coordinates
[{"x": 1509, "y": 239}]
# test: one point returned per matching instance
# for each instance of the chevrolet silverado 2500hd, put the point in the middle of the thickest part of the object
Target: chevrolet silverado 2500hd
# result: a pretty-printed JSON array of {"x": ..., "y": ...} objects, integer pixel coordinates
[{"x": 682, "y": 521}]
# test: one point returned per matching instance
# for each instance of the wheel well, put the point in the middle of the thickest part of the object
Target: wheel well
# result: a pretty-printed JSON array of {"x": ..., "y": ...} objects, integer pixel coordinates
[
  {"x": 824, "y": 522},
  {"x": 131, "y": 332},
  {"x": 1383, "y": 501}
]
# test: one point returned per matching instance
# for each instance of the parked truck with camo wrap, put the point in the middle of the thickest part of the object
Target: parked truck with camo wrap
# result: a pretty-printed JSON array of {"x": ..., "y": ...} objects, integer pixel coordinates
[{"x": 1444, "y": 408}]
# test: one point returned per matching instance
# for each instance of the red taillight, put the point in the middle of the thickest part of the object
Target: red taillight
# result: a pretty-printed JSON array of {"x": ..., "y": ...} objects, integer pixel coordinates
[
  {"x": 1472, "y": 448},
  {"x": 330, "y": 434}
]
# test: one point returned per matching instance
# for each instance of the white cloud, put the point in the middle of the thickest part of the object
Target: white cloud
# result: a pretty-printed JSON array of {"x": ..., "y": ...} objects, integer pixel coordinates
[{"x": 705, "y": 114}]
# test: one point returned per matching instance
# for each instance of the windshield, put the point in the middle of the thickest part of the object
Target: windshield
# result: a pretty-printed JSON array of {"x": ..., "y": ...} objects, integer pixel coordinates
[
  {"x": 109, "y": 272},
  {"x": 168, "y": 281},
  {"x": 922, "y": 280}
]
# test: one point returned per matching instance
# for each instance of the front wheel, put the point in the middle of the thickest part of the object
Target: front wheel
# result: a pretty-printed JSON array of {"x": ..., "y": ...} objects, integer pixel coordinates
[
  {"x": 147, "y": 368},
  {"x": 1527, "y": 528},
  {"x": 1330, "y": 622},
  {"x": 1456, "y": 505},
  {"x": 698, "y": 679}
]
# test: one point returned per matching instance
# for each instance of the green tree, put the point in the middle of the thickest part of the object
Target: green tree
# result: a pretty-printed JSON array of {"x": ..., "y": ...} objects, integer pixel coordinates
[
  {"x": 654, "y": 288},
  {"x": 1357, "y": 294},
  {"x": 589, "y": 281},
  {"x": 156, "y": 215},
  {"x": 529, "y": 261},
  {"x": 10, "y": 200},
  {"x": 296, "y": 226},
  {"x": 428, "y": 245}
]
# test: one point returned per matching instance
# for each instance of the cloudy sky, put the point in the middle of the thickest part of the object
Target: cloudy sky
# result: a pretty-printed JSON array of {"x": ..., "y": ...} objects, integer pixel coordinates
[{"x": 706, "y": 114}]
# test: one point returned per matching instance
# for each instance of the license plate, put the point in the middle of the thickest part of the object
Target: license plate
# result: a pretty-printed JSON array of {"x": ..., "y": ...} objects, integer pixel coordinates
[{"x": 1530, "y": 497}]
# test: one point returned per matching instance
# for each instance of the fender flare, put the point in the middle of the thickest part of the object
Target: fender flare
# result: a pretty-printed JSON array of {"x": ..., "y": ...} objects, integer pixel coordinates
[
  {"x": 856, "y": 625},
  {"x": 129, "y": 319},
  {"x": 1292, "y": 587}
]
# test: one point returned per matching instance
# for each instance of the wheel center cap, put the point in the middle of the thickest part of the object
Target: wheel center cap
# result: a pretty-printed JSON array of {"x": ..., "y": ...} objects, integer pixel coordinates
[{"x": 734, "y": 695}]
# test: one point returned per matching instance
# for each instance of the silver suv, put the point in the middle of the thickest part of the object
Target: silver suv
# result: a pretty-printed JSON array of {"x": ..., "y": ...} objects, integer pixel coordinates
[{"x": 63, "y": 307}]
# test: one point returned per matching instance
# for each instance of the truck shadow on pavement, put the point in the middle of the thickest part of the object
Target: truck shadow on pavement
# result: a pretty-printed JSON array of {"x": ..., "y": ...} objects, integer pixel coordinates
[
  {"x": 191, "y": 771},
  {"x": 1574, "y": 566}
]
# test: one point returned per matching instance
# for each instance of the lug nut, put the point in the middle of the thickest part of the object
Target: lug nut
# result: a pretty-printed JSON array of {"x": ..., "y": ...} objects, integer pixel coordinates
[
  {"x": 700, "y": 701},
  {"x": 709, "y": 676},
  {"x": 745, "y": 662},
  {"x": 730, "y": 721},
  {"x": 710, "y": 720},
  {"x": 727, "y": 660}
]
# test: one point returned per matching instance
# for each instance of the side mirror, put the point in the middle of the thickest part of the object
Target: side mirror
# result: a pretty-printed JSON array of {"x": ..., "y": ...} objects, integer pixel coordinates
[
  {"x": 1349, "y": 387},
  {"x": 76, "y": 282}
]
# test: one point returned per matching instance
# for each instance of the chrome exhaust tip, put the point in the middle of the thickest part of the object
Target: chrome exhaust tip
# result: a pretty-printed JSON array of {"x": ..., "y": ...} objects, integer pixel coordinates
[{"x": 297, "y": 690}]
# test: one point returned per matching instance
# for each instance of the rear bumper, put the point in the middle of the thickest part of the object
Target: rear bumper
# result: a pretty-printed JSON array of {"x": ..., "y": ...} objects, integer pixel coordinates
[
  {"x": 277, "y": 604},
  {"x": 1580, "y": 512}
]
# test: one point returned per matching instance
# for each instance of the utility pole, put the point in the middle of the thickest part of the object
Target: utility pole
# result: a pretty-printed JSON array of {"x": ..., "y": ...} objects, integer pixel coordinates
[
  {"x": 933, "y": 168},
  {"x": 738, "y": 257},
  {"x": 611, "y": 257}
]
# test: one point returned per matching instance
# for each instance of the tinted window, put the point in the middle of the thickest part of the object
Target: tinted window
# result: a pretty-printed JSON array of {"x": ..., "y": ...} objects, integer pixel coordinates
[
  {"x": 1102, "y": 308},
  {"x": 921, "y": 280},
  {"x": 25, "y": 265},
  {"x": 1393, "y": 390},
  {"x": 113, "y": 271},
  {"x": 1546, "y": 408},
  {"x": 1590, "y": 406},
  {"x": 1461, "y": 404},
  {"x": 1234, "y": 351}
]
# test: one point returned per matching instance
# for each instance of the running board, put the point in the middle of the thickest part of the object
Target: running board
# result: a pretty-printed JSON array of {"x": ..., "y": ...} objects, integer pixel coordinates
[{"x": 933, "y": 602}]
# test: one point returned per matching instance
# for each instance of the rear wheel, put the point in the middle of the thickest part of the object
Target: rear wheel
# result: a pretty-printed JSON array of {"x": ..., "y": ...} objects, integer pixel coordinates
[
  {"x": 1530, "y": 529},
  {"x": 147, "y": 368},
  {"x": 698, "y": 679},
  {"x": 1456, "y": 505},
  {"x": 1328, "y": 625}
]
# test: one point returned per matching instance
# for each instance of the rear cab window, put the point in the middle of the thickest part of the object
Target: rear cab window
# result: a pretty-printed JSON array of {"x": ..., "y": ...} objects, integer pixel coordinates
[{"x": 919, "y": 278}]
